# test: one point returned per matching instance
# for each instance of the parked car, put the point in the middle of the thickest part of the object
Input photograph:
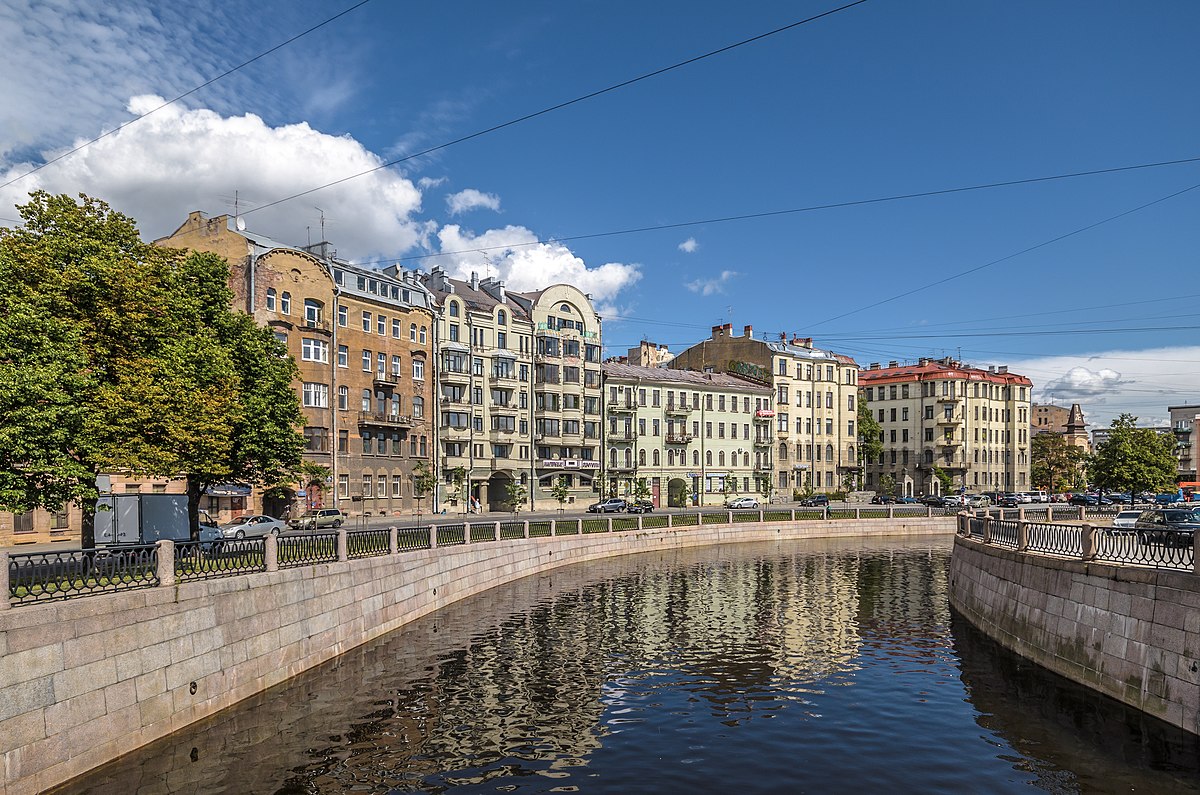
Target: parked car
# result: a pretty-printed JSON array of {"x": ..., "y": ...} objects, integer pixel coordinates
[
  {"x": 1024, "y": 497},
  {"x": 934, "y": 500},
  {"x": 318, "y": 518},
  {"x": 977, "y": 501},
  {"x": 611, "y": 505},
  {"x": 907, "y": 501},
  {"x": 1084, "y": 499},
  {"x": 1126, "y": 519},
  {"x": 640, "y": 506},
  {"x": 742, "y": 502},
  {"x": 1009, "y": 501},
  {"x": 250, "y": 525},
  {"x": 1169, "y": 525},
  {"x": 1167, "y": 499},
  {"x": 882, "y": 499},
  {"x": 815, "y": 501}
]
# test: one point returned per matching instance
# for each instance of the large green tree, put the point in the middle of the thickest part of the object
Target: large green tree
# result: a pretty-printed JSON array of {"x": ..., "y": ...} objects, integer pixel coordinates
[
  {"x": 116, "y": 355},
  {"x": 870, "y": 445},
  {"x": 1055, "y": 464},
  {"x": 1134, "y": 459}
]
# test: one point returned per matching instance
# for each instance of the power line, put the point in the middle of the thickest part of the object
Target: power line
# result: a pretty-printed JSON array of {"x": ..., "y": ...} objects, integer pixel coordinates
[
  {"x": 561, "y": 105},
  {"x": 789, "y": 211},
  {"x": 185, "y": 94},
  {"x": 1007, "y": 257}
]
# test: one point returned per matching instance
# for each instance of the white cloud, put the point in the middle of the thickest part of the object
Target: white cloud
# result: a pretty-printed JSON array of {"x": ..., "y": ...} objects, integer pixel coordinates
[
  {"x": 471, "y": 199},
  {"x": 425, "y": 183},
  {"x": 1107, "y": 383},
  {"x": 689, "y": 246},
  {"x": 514, "y": 255},
  {"x": 711, "y": 286},
  {"x": 179, "y": 160}
]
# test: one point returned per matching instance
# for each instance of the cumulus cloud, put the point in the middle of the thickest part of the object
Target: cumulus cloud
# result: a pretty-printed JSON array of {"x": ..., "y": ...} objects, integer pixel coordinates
[
  {"x": 1108, "y": 383},
  {"x": 179, "y": 160},
  {"x": 711, "y": 286},
  {"x": 514, "y": 255},
  {"x": 471, "y": 199},
  {"x": 688, "y": 246},
  {"x": 425, "y": 183}
]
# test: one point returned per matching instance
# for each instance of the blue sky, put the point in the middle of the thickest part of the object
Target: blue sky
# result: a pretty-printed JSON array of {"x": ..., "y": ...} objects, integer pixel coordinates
[{"x": 881, "y": 99}]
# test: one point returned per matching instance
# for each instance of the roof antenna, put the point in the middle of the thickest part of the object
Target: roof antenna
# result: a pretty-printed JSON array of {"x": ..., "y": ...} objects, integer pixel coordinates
[{"x": 322, "y": 212}]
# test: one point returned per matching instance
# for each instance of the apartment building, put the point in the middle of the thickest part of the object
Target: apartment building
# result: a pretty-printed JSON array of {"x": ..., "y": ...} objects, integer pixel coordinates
[
  {"x": 363, "y": 341},
  {"x": 695, "y": 437},
  {"x": 1185, "y": 425},
  {"x": 1048, "y": 418},
  {"x": 814, "y": 410},
  {"x": 971, "y": 423}
]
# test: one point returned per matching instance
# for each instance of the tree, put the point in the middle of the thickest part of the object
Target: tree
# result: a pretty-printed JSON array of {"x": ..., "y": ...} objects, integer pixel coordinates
[
  {"x": 313, "y": 475},
  {"x": 870, "y": 445},
  {"x": 560, "y": 491},
  {"x": 1054, "y": 463},
  {"x": 423, "y": 482},
  {"x": 887, "y": 484},
  {"x": 1134, "y": 459},
  {"x": 515, "y": 493},
  {"x": 641, "y": 489},
  {"x": 458, "y": 478},
  {"x": 944, "y": 478}
]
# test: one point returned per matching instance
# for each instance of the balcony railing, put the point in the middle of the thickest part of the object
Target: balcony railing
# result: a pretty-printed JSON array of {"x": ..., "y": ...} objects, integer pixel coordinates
[
  {"x": 380, "y": 418},
  {"x": 679, "y": 438},
  {"x": 680, "y": 408},
  {"x": 622, "y": 406},
  {"x": 622, "y": 435},
  {"x": 386, "y": 379}
]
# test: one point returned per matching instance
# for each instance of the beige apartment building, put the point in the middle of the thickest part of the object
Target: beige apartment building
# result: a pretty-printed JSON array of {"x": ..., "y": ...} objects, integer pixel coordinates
[
  {"x": 518, "y": 391},
  {"x": 696, "y": 438},
  {"x": 362, "y": 339},
  {"x": 814, "y": 410},
  {"x": 971, "y": 423},
  {"x": 1185, "y": 425}
]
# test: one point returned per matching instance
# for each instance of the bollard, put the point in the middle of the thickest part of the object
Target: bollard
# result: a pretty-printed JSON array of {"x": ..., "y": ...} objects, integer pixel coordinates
[
  {"x": 639, "y": 524},
  {"x": 1020, "y": 513},
  {"x": 433, "y": 534},
  {"x": 393, "y": 540},
  {"x": 271, "y": 552},
  {"x": 1022, "y": 535},
  {"x": 496, "y": 532},
  {"x": 987, "y": 529},
  {"x": 5, "y": 586},
  {"x": 1088, "y": 541},
  {"x": 1082, "y": 512},
  {"x": 891, "y": 511},
  {"x": 343, "y": 545},
  {"x": 670, "y": 520},
  {"x": 166, "y": 563},
  {"x": 729, "y": 517}
]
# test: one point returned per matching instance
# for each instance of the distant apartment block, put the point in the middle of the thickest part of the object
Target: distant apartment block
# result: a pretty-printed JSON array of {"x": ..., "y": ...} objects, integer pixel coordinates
[
  {"x": 1185, "y": 426},
  {"x": 970, "y": 423}
]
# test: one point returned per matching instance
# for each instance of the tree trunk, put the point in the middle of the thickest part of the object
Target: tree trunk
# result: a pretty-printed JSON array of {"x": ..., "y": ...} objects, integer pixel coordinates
[
  {"x": 195, "y": 488},
  {"x": 87, "y": 528}
]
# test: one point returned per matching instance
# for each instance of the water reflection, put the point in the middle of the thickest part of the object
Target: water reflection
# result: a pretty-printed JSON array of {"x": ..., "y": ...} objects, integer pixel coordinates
[{"x": 816, "y": 667}]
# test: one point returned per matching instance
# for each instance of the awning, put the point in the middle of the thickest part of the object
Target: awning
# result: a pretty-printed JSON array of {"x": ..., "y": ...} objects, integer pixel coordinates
[{"x": 228, "y": 490}]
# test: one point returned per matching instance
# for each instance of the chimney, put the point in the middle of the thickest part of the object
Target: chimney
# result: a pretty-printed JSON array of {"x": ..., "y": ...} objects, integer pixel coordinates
[
  {"x": 893, "y": 363},
  {"x": 922, "y": 361},
  {"x": 748, "y": 331},
  {"x": 1003, "y": 368},
  {"x": 991, "y": 368},
  {"x": 474, "y": 280},
  {"x": 873, "y": 366},
  {"x": 716, "y": 331}
]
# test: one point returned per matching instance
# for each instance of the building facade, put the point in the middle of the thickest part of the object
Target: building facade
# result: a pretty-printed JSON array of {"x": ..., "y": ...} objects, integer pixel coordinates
[
  {"x": 1048, "y": 418},
  {"x": 940, "y": 415},
  {"x": 814, "y": 410},
  {"x": 695, "y": 438},
  {"x": 363, "y": 342},
  {"x": 1185, "y": 426}
]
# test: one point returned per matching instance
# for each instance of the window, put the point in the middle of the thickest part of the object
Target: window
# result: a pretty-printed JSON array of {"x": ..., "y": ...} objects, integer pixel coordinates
[
  {"x": 343, "y": 316},
  {"x": 423, "y": 335},
  {"x": 366, "y": 361},
  {"x": 454, "y": 332},
  {"x": 366, "y": 322},
  {"x": 285, "y": 303},
  {"x": 418, "y": 407},
  {"x": 312, "y": 311},
  {"x": 418, "y": 369},
  {"x": 501, "y": 317},
  {"x": 343, "y": 397},
  {"x": 316, "y": 395},
  {"x": 381, "y": 325},
  {"x": 272, "y": 304},
  {"x": 343, "y": 356},
  {"x": 314, "y": 351},
  {"x": 316, "y": 440},
  {"x": 366, "y": 400},
  {"x": 453, "y": 309},
  {"x": 412, "y": 332}
]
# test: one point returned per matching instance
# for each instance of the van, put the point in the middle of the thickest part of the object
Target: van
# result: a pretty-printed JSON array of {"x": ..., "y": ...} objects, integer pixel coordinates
[{"x": 1039, "y": 496}]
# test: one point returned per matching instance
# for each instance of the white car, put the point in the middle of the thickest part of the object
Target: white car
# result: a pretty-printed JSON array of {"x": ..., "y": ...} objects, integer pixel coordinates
[
  {"x": 742, "y": 502},
  {"x": 1126, "y": 519},
  {"x": 252, "y": 525}
]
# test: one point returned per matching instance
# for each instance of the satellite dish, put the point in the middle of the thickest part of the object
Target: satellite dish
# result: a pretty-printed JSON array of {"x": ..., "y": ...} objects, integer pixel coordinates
[{"x": 240, "y": 223}]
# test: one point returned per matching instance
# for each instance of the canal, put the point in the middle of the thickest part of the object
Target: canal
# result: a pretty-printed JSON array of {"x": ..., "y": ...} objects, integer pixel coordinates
[{"x": 816, "y": 666}]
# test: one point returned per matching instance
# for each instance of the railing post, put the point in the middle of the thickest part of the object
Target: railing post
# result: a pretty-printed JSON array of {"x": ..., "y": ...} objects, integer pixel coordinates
[
  {"x": 1195, "y": 560},
  {"x": 166, "y": 563},
  {"x": 496, "y": 532},
  {"x": 729, "y": 517},
  {"x": 760, "y": 516},
  {"x": 271, "y": 552},
  {"x": 987, "y": 529},
  {"x": 1082, "y": 513},
  {"x": 343, "y": 545},
  {"x": 857, "y": 512},
  {"x": 639, "y": 524},
  {"x": 393, "y": 540},
  {"x": 1022, "y": 535},
  {"x": 891, "y": 511},
  {"x": 608, "y": 521},
  {"x": 525, "y": 529},
  {"x": 5, "y": 586},
  {"x": 433, "y": 534},
  {"x": 793, "y": 513},
  {"x": 670, "y": 520},
  {"x": 928, "y": 511},
  {"x": 1020, "y": 513},
  {"x": 1088, "y": 541}
]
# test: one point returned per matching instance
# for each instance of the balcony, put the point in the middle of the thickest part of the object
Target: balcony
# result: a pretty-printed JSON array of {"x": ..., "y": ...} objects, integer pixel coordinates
[
  {"x": 763, "y": 441},
  {"x": 944, "y": 420},
  {"x": 319, "y": 326},
  {"x": 452, "y": 374},
  {"x": 622, "y": 435},
  {"x": 680, "y": 408},
  {"x": 679, "y": 438},
  {"x": 949, "y": 399},
  {"x": 616, "y": 468},
  {"x": 385, "y": 379},
  {"x": 622, "y": 407},
  {"x": 389, "y": 420}
]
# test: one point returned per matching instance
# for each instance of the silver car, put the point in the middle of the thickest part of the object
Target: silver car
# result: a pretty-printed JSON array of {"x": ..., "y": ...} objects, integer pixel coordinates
[{"x": 251, "y": 525}]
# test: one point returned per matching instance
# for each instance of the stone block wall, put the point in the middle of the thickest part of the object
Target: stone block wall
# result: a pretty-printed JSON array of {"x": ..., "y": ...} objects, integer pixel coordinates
[
  {"x": 1131, "y": 633},
  {"x": 86, "y": 680}
]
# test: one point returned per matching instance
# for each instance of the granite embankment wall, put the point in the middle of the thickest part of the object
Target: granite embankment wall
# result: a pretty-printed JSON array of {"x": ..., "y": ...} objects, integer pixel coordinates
[
  {"x": 1130, "y": 632},
  {"x": 86, "y": 680}
]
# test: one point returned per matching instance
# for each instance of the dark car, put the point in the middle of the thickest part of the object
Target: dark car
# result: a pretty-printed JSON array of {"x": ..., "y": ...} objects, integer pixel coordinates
[
  {"x": 611, "y": 505},
  {"x": 1009, "y": 501},
  {"x": 934, "y": 501},
  {"x": 907, "y": 501},
  {"x": 883, "y": 499},
  {"x": 1167, "y": 499},
  {"x": 1175, "y": 526},
  {"x": 815, "y": 501},
  {"x": 1089, "y": 500},
  {"x": 640, "y": 506}
]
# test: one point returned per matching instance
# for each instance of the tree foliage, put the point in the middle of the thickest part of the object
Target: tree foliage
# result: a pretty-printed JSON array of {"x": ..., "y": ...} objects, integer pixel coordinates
[
  {"x": 560, "y": 490},
  {"x": 120, "y": 356},
  {"x": 515, "y": 493},
  {"x": 1055, "y": 464},
  {"x": 869, "y": 443},
  {"x": 1134, "y": 459}
]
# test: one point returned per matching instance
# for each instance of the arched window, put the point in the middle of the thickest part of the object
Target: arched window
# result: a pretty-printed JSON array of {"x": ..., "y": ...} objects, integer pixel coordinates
[
  {"x": 721, "y": 458},
  {"x": 454, "y": 309},
  {"x": 641, "y": 458},
  {"x": 828, "y": 452},
  {"x": 695, "y": 458},
  {"x": 422, "y": 335},
  {"x": 271, "y": 304},
  {"x": 412, "y": 332},
  {"x": 501, "y": 317},
  {"x": 629, "y": 458},
  {"x": 285, "y": 303},
  {"x": 783, "y": 451},
  {"x": 366, "y": 400},
  {"x": 708, "y": 458},
  {"x": 564, "y": 308},
  {"x": 850, "y": 452},
  {"x": 746, "y": 459},
  {"x": 612, "y": 457},
  {"x": 343, "y": 397},
  {"x": 657, "y": 460}
]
